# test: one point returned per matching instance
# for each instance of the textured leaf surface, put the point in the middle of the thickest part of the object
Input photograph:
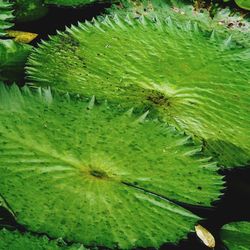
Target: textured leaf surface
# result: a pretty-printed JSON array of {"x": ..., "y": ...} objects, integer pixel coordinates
[
  {"x": 13, "y": 57},
  {"x": 236, "y": 235},
  {"x": 5, "y": 16},
  {"x": 93, "y": 177},
  {"x": 14, "y": 240},
  {"x": 195, "y": 80},
  {"x": 223, "y": 20},
  {"x": 28, "y": 10}
]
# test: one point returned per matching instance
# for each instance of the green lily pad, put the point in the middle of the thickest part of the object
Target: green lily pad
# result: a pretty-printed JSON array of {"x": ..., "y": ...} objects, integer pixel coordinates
[
  {"x": 29, "y": 10},
  {"x": 6, "y": 16},
  {"x": 82, "y": 172},
  {"x": 13, "y": 57},
  {"x": 236, "y": 235},
  {"x": 14, "y": 240},
  {"x": 244, "y": 4},
  {"x": 195, "y": 80}
]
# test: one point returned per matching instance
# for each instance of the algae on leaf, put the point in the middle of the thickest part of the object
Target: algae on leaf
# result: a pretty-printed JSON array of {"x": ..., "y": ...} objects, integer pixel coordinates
[
  {"x": 236, "y": 235},
  {"x": 84, "y": 173},
  {"x": 14, "y": 240},
  {"x": 196, "y": 80}
]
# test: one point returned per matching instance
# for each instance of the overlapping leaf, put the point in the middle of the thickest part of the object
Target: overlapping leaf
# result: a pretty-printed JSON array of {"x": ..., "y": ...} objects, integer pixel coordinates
[
  {"x": 197, "y": 81},
  {"x": 13, "y": 55},
  {"x": 236, "y": 235},
  {"x": 5, "y": 16},
  {"x": 91, "y": 176},
  {"x": 222, "y": 21}
]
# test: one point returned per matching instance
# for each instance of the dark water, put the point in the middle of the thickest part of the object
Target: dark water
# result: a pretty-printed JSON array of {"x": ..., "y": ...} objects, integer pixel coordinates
[{"x": 233, "y": 206}]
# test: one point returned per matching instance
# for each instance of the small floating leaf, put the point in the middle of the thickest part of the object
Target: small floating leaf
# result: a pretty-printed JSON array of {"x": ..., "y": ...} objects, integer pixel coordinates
[
  {"x": 206, "y": 237},
  {"x": 236, "y": 235},
  {"x": 21, "y": 36}
]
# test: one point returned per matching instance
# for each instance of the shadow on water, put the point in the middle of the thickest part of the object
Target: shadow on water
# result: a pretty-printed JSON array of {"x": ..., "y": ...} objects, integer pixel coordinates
[
  {"x": 58, "y": 18},
  {"x": 233, "y": 206}
]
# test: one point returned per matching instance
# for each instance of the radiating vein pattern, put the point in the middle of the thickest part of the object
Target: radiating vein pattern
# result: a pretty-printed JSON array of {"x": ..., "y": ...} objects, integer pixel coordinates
[
  {"x": 195, "y": 80},
  {"x": 70, "y": 169}
]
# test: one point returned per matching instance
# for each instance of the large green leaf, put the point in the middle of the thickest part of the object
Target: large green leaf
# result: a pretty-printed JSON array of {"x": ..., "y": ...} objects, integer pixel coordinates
[
  {"x": 5, "y": 16},
  {"x": 14, "y": 240},
  {"x": 88, "y": 175},
  {"x": 13, "y": 57},
  {"x": 196, "y": 81},
  {"x": 236, "y": 235}
]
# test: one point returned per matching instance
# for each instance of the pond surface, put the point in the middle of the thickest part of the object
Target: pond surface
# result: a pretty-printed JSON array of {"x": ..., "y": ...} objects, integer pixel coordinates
[{"x": 233, "y": 206}]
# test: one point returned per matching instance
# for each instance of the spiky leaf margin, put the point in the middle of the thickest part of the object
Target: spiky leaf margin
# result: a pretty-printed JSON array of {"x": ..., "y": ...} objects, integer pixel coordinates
[
  {"x": 88, "y": 175},
  {"x": 14, "y": 240},
  {"x": 236, "y": 235},
  {"x": 197, "y": 81},
  {"x": 6, "y": 16},
  {"x": 224, "y": 20}
]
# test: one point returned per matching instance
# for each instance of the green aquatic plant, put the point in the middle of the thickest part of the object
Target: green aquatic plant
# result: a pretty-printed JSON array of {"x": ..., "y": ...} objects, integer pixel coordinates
[
  {"x": 83, "y": 172},
  {"x": 222, "y": 20},
  {"x": 197, "y": 81},
  {"x": 236, "y": 235},
  {"x": 14, "y": 240},
  {"x": 244, "y": 4},
  {"x": 13, "y": 55},
  {"x": 6, "y": 17}
]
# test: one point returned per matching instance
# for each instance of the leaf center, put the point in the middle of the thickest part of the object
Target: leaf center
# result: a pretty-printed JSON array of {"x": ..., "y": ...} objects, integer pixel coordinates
[
  {"x": 158, "y": 98},
  {"x": 98, "y": 174}
]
